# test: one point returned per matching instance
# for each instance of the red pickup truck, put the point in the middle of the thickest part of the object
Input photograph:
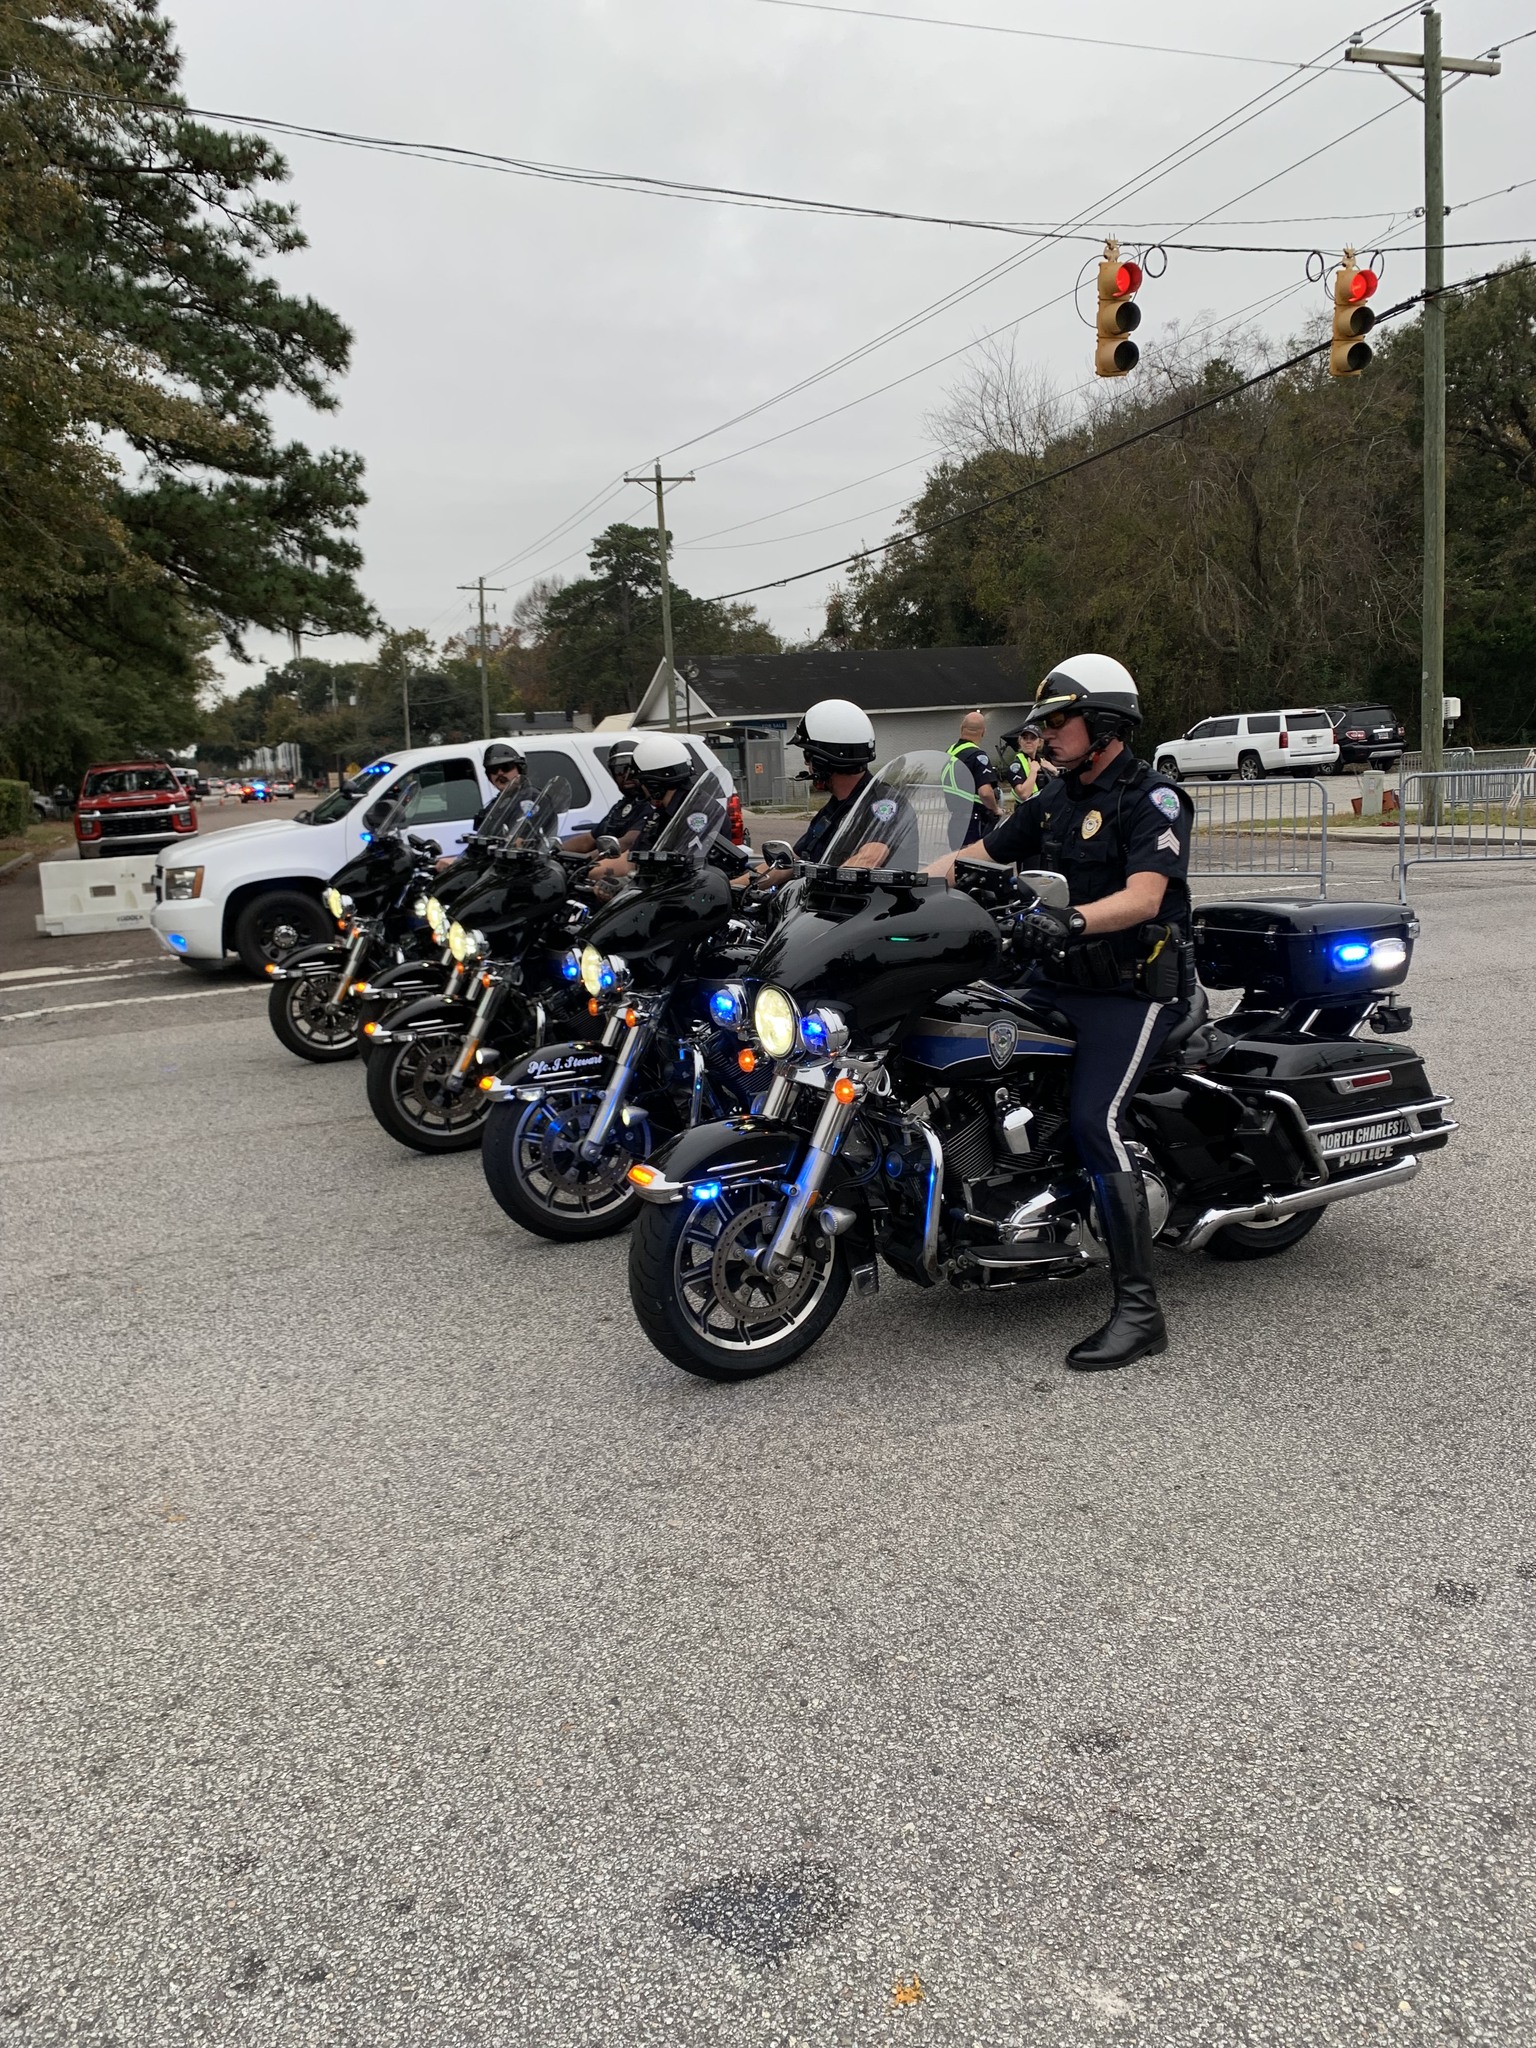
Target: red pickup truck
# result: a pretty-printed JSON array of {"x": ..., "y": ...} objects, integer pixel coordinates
[{"x": 131, "y": 807}]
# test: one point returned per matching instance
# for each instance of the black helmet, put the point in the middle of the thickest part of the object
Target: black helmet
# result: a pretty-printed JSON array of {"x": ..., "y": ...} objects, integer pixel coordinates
[
  {"x": 500, "y": 755},
  {"x": 621, "y": 758},
  {"x": 662, "y": 763},
  {"x": 835, "y": 737},
  {"x": 1102, "y": 689}
]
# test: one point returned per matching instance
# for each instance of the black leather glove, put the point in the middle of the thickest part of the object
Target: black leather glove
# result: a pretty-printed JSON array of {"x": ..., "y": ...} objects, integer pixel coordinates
[{"x": 1046, "y": 934}]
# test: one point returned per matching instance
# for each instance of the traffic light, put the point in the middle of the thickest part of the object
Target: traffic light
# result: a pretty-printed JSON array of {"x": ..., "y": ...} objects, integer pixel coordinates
[
  {"x": 1119, "y": 314},
  {"x": 1352, "y": 318}
]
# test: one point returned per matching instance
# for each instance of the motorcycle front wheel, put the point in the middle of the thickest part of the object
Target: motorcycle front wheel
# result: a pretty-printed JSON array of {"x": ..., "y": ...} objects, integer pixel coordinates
[
  {"x": 534, "y": 1168},
  {"x": 408, "y": 1093},
  {"x": 298, "y": 1015},
  {"x": 703, "y": 1301}
]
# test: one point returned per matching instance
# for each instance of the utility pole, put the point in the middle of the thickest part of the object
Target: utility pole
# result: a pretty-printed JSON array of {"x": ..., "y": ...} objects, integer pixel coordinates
[
  {"x": 658, "y": 480},
  {"x": 485, "y": 681},
  {"x": 1433, "y": 65},
  {"x": 405, "y": 698}
]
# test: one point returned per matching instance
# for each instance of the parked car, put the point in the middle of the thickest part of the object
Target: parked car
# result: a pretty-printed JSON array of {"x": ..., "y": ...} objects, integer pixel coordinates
[
  {"x": 1251, "y": 745},
  {"x": 255, "y": 889},
  {"x": 131, "y": 807},
  {"x": 1369, "y": 735}
]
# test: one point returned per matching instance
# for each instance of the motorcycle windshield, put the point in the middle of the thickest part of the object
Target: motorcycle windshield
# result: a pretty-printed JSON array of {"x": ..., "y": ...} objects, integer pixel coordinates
[
  {"x": 523, "y": 819},
  {"x": 904, "y": 818},
  {"x": 695, "y": 821},
  {"x": 390, "y": 812}
]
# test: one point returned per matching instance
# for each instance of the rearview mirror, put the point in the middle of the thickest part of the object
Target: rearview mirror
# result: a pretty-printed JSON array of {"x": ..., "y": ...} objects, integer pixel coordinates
[
  {"x": 778, "y": 853},
  {"x": 605, "y": 846},
  {"x": 1048, "y": 887}
]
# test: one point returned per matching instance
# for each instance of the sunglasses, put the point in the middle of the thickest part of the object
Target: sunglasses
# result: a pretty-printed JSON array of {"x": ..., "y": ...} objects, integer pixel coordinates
[{"x": 500, "y": 774}]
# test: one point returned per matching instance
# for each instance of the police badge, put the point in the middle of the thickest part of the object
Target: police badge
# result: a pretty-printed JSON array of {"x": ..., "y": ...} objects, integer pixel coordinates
[
  {"x": 1002, "y": 1037},
  {"x": 1092, "y": 823}
]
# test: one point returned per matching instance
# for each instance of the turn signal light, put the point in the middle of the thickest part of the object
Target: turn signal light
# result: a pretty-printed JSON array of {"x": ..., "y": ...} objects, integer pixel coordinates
[
  {"x": 642, "y": 1176},
  {"x": 369, "y": 1028},
  {"x": 592, "y": 1009},
  {"x": 746, "y": 1059},
  {"x": 631, "y": 1018},
  {"x": 845, "y": 1090},
  {"x": 487, "y": 1082},
  {"x": 271, "y": 967}
]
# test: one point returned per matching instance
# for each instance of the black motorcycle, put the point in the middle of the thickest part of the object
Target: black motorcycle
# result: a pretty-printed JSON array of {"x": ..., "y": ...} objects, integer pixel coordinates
[
  {"x": 376, "y": 898},
  {"x": 918, "y": 1111},
  {"x": 572, "y": 1118},
  {"x": 508, "y": 941}
]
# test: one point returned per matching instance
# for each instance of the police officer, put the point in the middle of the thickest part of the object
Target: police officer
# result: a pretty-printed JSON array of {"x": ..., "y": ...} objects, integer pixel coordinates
[
  {"x": 627, "y": 819},
  {"x": 504, "y": 770},
  {"x": 968, "y": 771},
  {"x": 1116, "y": 962},
  {"x": 664, "y": 770},
  {"x": 1029, "y": 766}
]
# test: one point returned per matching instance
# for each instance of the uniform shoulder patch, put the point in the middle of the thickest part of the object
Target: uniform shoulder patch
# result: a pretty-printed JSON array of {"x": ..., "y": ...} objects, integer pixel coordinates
[{"x": 1167, "y": 801}]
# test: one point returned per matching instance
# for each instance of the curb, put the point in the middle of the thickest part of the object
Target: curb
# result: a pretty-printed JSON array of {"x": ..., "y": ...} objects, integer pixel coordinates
[{"x": 19, "y": 862}]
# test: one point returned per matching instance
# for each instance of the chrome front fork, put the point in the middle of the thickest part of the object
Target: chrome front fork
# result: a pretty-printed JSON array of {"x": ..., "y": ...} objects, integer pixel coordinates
[
  {"x": 825, "y": 1138},
  {"x": 354, "y": 961},
  {"x": 592, "y": 1144},
  {"x": 479, "y": 1024}
]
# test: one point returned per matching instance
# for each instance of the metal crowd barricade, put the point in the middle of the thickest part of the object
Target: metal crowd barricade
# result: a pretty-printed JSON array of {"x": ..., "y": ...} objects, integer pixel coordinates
[
  {"x": 1261, "y": 833},
  {"x": 1465, "y": 818}
]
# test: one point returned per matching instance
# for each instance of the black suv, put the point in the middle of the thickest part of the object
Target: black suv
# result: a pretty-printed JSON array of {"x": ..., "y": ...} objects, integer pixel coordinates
[{"x": 1369, "y": 736}]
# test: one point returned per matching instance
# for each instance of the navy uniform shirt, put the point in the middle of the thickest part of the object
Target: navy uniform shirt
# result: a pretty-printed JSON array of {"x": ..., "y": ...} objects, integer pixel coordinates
[
  {"x": 818, "y": 835},
  {"x": 629, "y": 814},
  {"x": 1128, "y": 821}
]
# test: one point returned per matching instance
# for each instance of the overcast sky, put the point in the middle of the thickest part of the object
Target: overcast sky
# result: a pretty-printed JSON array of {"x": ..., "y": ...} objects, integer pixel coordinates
[{"x": 520, "y": 344}]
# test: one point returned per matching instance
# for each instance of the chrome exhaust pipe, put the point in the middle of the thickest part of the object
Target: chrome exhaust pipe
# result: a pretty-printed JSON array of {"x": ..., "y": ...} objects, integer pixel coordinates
[{"x": 1273, "y": 1207}]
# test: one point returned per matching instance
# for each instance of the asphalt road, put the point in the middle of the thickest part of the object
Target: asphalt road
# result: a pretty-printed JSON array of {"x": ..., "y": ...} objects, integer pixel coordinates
[{"x": 399, "y": 1652}]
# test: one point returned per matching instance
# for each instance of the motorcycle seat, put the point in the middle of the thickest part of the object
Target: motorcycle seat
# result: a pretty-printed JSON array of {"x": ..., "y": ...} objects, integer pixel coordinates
[{"x": 1194, "y": 1019}]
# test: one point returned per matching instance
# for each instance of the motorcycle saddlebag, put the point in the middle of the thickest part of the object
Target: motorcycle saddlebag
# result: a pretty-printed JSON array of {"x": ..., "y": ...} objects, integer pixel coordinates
[
  {"x": 1301, "y": 952},
  {"x": 1329, "y": 1078}
]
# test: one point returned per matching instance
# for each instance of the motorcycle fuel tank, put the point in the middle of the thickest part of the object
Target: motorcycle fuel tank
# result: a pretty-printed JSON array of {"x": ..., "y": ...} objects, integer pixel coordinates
[
  {"x": 894, "y": 949},
  {"x": 980, "y": 1034}
]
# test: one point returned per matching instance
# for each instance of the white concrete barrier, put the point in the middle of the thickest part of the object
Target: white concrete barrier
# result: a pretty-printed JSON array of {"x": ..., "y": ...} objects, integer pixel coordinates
[{"x": 96, "y": 895}]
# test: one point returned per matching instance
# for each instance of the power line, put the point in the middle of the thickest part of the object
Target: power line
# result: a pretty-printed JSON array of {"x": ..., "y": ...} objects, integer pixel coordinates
[
  {"x": 1102, "y": 454},
  {"x": 1038, "y": 35}
]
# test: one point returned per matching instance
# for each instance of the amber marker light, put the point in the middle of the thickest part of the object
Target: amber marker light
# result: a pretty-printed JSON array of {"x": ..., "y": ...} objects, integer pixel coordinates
[
  {"x": 642, "y": 1176},
  {"x": 746, "y": 1059},
  {"x": 846, "y": 1090}
]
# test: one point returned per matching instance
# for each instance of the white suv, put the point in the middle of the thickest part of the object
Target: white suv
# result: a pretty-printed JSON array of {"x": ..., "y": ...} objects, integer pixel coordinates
[
  {"x": 1252, "y": 745},
  {"x": 255, "y": 889}
]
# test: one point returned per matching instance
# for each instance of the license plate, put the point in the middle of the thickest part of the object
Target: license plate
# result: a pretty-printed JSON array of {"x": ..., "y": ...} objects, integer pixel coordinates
[{"x": 1364, "y": 1144}]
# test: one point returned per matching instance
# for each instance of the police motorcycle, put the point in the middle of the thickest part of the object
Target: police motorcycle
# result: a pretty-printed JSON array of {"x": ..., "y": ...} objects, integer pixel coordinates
[
  {"x": 507, "y": 940},
  {"x": 426, "y": 966},
  {"x": 654, "y": 964},
  {"x": 314, "y": 1007},
  {"x": 917, "y": 1112}
]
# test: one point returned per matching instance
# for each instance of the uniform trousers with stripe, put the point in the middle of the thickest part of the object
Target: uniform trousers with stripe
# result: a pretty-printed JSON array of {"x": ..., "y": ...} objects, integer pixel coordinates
[{"x": 1117, "y": 1040}]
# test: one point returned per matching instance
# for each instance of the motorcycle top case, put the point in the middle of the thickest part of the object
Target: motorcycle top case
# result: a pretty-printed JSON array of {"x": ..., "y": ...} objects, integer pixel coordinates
[{"x": 1301, "y": 952}]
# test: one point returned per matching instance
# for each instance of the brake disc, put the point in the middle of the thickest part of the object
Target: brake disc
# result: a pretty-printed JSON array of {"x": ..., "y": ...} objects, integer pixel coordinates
[
  {"x": 753, "y": 1294},
  {"x": 555, "y": 1149}
]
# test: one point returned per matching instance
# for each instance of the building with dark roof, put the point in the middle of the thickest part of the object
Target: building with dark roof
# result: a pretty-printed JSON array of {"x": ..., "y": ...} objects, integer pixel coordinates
[{"x": 749, "y": 704}]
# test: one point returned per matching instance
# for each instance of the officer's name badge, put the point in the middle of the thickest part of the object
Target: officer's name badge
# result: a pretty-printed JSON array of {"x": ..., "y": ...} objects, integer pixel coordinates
[{"x": 1092, "y": 823}]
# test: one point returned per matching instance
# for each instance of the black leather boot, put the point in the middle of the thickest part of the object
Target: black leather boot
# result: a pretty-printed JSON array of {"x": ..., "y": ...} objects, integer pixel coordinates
[{"x": 1135, "y": 1328}]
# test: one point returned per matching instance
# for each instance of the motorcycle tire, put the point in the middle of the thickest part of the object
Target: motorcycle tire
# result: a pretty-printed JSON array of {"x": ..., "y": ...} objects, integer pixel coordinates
[
  {"x": 296, "y": 1011},
  {"x": 1263, "y": 1240},
  {"x": 677, "y": 1250},
  {"x": 532, "y": 1169},
  {"x": 404, "y": 1095}
]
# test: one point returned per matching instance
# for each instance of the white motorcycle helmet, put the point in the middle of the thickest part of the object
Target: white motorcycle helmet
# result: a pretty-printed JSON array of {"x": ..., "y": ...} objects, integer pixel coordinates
[
  {"x": 1102, "y": 689},
  {"x": 662, "y": 763},
  {"x": 835, "y": 737}
]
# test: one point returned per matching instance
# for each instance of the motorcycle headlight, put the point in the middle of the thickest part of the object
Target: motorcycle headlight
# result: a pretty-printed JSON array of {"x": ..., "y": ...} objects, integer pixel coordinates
[
  {"x": 465, "y": 945},
  {"x": 419, "y": 907},
  {"x": 728, "y": 1005},
  {"x": 437, "y": 918},
  {"x": 332, "y": 899},
  {"x": 601, "y": 973},
  {"x": 776, "y": 1022}
]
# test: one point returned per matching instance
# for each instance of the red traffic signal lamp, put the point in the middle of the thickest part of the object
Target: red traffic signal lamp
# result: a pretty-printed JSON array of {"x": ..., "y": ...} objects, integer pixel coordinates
[
  {"x": 1119, "y": 314},
  {"x": 1352, "y": 318}
]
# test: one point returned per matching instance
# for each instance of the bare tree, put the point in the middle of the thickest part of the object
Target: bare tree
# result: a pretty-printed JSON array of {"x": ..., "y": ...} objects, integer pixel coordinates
[{"x": 998, "y": 406}]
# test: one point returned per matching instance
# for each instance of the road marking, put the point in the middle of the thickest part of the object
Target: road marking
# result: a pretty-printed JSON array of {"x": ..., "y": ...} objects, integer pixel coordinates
[
  {"x": 191, "y": 995},
  {"x": 88, "y": 967},
  {"x": 86, "y": 980}
]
